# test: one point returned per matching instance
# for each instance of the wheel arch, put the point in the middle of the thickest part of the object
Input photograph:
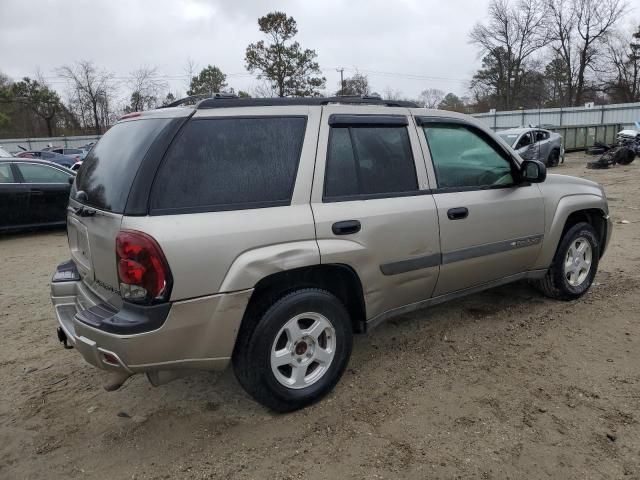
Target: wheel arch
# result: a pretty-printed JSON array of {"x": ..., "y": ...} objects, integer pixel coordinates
[
  {"x": 339, "y": 279},
  {"x": 572, "y": 210}
]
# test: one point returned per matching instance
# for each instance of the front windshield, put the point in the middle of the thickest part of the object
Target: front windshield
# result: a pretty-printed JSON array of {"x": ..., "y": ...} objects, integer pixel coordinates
[{"x": 510, "y": 138}]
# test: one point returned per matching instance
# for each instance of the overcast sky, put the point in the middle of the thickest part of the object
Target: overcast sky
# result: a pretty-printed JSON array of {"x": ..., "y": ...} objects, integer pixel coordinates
[{"x": 404, "y": 44}]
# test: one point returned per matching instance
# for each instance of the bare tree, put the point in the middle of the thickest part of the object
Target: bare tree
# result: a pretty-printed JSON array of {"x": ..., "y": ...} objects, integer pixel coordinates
[
  {"x": 146, "y": 89},
  {"x": 263, "y": 89},
  {"x": 190, "y": 69},
  {"x": 622, "y": 67},
  {"x": 513, "y": 33},
  {"x": 92, "y": 88},
  {"x": 431, "y": 97},
  {"x": 580, "y": 29},
  {"x": 392, "y": 94}
]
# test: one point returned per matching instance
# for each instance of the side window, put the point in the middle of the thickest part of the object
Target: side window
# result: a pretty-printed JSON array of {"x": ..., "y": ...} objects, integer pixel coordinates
[
  {"x": 524, "y": 141},
  {"x": 369, "y": 160},
  {"x": 463, "y": 158},
  {"x": 6, "y": 175},
  {"x": 541, "y": 135},
  {"x": 230, "y": 163},
  {"x": 41, "y": 174}
]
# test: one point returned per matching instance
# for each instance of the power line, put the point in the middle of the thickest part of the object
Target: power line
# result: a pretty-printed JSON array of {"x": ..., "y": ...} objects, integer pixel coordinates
[{"x": 409, "y": 76}]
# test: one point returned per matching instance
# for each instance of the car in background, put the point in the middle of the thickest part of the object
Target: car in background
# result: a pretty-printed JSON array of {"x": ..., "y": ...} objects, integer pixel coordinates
[
  {"x": 63, "y": 160},
  {"x": 533, "y": 143},
  {"x": 33, "y": 193},
  {"x": 4, "y": 153},
  {"x": 77, "y": 153}
]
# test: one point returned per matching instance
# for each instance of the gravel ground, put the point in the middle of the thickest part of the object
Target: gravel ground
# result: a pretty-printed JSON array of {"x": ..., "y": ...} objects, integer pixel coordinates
[{"x": 502, "y": 384}]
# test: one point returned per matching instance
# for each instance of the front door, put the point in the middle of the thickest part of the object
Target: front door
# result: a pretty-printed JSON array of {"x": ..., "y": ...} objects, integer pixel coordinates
[
  {"x": 372, "y": 208},
  {"x": 491, "y": 226}
]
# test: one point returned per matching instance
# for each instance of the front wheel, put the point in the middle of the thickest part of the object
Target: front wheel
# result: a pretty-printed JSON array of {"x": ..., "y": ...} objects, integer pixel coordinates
[
  {"x": 295, "y": 352},
  {"x": 574, "y": 265}
]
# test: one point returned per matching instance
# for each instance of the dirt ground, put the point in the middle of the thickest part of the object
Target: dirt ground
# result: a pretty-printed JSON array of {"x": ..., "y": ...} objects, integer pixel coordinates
[{"x": 503, "y": 384}]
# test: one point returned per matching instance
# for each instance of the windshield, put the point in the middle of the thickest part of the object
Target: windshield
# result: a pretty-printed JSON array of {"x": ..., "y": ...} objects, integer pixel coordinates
[
  {"x": 108, "y": 170},
  {"x": 510, "y": 138}
]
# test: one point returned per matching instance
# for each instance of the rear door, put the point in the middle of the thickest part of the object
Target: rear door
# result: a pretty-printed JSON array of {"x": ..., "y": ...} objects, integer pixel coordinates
[
  {"x": 14, "y": 198},
  {"x": 542, "y": 145},
  {"x": 372, "y": 206},
  {"x": 48, "y": 192},
  {"x": 491, "y": 227}
]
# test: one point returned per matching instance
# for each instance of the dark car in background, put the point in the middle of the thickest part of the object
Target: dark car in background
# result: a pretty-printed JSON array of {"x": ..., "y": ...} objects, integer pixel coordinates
[
  {"x": 33, "y": 193},
  {"x": 64, "y": 160}
]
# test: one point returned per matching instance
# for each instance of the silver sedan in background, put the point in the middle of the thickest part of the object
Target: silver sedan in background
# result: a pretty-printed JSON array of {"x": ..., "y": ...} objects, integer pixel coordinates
[{"x": 535, "y": 144}]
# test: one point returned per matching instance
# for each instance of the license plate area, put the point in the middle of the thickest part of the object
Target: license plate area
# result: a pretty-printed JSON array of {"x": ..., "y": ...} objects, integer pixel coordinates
[{"x": 79, "y": 246}]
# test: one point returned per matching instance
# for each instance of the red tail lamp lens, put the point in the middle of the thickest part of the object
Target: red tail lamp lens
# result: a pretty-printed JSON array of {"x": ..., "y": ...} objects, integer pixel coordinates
[{"x": 142, "y": 268}]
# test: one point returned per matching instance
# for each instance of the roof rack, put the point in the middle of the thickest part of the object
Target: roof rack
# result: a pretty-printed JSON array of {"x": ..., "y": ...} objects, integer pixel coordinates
[
  {"x": 196, "y": 98},
  {"x": 227, "y": 101}
]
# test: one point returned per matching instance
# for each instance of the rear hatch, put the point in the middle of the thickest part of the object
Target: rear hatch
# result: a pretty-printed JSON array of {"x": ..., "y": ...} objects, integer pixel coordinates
[{"x": 98, "y": 200}]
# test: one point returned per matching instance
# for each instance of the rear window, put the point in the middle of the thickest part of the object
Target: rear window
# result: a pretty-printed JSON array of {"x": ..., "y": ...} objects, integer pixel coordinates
[
  {"x": 108, "y": 171},
  {"x": 229, "y": 164}
]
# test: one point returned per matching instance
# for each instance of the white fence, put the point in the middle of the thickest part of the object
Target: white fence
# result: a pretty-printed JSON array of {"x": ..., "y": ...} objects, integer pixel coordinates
[
  {"x": 625, "y": 114},
  {"x": 13, "y": 144}
]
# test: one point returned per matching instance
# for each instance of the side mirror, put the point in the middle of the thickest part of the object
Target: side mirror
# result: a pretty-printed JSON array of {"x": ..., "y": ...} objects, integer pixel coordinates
[
  {"x": 533, "y": 171},
  {"x": 71, "y": 180}
]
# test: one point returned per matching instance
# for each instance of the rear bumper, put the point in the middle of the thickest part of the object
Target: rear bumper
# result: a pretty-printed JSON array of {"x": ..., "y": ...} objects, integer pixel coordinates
[{"x": 196, "y": 334}]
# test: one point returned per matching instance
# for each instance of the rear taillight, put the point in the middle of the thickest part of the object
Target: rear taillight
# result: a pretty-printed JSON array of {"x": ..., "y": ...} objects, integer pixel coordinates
[{"x": 143, "y": 270}]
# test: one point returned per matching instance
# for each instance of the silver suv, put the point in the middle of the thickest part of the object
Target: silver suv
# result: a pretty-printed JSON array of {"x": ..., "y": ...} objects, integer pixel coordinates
[{"x": 266, "y": 232}]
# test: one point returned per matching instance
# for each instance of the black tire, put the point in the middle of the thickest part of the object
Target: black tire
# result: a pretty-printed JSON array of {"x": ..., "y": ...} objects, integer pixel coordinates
[
  {"x": 554, "y": 158},
  {"x": 625, "y": 155},
  {"x": 252, "y": 355},
  {"x": 555, "y": 283}
]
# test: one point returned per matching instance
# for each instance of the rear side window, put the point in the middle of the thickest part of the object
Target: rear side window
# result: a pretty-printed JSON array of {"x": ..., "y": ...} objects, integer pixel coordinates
[
  {"x": 369, "y": 161},
  {"x": 33, "y": 173},
  {"x": 108, "y": 171},
  {"x": 6, "y": 175},
  {"x": 228, "y": 164}
]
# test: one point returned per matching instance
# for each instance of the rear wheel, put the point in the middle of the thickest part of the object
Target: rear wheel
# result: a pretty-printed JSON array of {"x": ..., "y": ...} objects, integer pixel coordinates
[
  {"x": 554, "y": 158},
  {"x": 294, "y": 353},
  {"x": 574, "y": 265}
]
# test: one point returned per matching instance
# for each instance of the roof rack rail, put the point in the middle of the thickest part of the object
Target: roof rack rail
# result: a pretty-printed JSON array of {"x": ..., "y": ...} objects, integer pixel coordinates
[
  {"x": 231, "y": 102},
  {"x": 197, "y": 98}
]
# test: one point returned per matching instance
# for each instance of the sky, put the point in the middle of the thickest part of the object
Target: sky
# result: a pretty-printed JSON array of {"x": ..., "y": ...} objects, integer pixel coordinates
[{"x": 405, "y": 45}]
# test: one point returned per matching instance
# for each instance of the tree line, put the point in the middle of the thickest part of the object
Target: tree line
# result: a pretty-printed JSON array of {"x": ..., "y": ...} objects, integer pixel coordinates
[{"x": 535, "y": 53}]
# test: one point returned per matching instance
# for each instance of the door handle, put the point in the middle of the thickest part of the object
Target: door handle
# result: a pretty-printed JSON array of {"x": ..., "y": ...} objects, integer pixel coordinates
[
  {"x": 458, "y": 213},
  {"x": 346, "y": 227},
  {"x": 37, "y": 192}
]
